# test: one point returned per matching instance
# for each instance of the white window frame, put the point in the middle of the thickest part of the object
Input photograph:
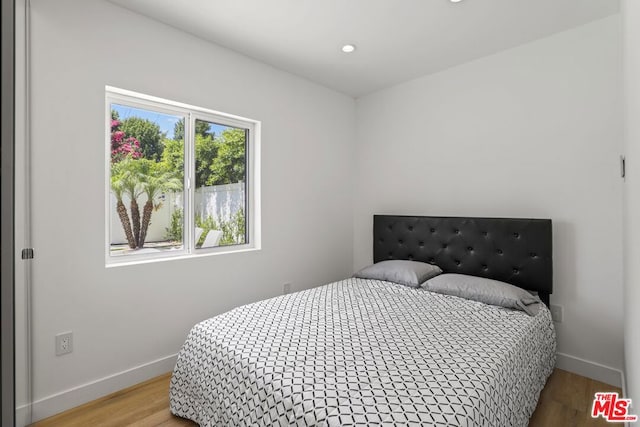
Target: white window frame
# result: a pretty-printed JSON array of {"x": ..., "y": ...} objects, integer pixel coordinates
[{"x": 190, "y": 113}]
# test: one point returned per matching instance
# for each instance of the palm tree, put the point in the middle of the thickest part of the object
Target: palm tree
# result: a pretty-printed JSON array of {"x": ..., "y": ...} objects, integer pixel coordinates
[
  {"x": 117, "y": 186},
  {"x": 132, "y": 172},
  {"x": 156, "y": 181}
]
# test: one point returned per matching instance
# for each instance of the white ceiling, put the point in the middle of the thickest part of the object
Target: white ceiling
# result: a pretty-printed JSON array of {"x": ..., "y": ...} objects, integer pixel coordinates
[{"x": 396, "y": 40}]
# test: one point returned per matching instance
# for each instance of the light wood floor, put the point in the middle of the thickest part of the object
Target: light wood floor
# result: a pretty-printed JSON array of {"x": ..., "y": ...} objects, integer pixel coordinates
[{"x": 565, "y": 402}]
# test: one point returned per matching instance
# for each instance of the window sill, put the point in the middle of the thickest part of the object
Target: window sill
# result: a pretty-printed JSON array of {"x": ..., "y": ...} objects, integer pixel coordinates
[{"x": 112, "y": 263}]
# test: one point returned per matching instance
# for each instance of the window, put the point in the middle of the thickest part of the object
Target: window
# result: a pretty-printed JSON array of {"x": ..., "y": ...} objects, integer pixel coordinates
[{"x": 181, "y": 180}]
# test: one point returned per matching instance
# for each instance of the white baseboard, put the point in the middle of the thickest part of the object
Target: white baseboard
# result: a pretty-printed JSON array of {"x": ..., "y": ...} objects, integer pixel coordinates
[
  {"x": 22, "y": 416},
  {"x": 593, "y": 370},
  {"x": 84, "y": 393}
]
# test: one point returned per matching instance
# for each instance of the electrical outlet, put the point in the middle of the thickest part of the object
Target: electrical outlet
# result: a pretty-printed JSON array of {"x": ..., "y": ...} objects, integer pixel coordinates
[
  {"x": 64, "y": 343},
  {"x": 557, "y": 313},
  {"x": 286, "y": 288}
]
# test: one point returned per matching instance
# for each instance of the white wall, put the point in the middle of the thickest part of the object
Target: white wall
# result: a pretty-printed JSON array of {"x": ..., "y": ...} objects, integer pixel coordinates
[
  {"x": 124, "y": 317},
  {"x": 631, "y": 43},
  {"x": 534, "y": 131}
]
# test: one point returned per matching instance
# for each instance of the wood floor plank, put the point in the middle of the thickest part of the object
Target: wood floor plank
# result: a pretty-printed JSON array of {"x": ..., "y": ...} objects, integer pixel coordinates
[
  {"x": 552, "y": 413},
  {"x": 568, "y": 389},
  {"x": 565, "y": 402},
  {"x": 146, "y": 404}
]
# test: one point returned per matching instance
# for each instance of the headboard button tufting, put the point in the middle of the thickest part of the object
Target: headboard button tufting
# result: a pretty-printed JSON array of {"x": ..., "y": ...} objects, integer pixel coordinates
[{"x": 512, "y": 250}]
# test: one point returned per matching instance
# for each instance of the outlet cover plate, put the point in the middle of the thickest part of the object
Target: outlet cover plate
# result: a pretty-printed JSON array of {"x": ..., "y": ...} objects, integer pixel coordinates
[
  {"x": 557, "y": 313},
  {"x": 286, "y": 288},
  {"x": 64, "y": 343}
]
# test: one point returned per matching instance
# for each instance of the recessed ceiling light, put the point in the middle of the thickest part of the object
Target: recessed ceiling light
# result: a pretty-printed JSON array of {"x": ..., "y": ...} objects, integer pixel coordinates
[
  {"x": 348, "y": 48},
  {"x": 455, "y": 1}
]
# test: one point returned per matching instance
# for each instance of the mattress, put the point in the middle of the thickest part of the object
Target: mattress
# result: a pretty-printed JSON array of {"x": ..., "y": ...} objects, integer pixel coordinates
[{"x": 364, "y": 352}]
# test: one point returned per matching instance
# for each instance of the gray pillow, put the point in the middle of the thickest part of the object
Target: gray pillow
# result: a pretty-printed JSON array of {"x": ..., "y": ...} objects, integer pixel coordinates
[
  {"x": 484, "y": 290},
  {"x": 408, "y": 273}
]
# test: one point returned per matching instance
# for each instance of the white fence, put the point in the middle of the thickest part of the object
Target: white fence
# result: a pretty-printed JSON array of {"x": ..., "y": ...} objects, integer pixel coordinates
[{"x": 219, "y": 201}]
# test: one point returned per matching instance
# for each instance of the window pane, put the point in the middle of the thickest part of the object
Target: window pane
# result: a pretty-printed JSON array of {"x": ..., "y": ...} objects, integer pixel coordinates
[
  {"x": 220, "y": 197},
  {"x": 146, "y": 178}
]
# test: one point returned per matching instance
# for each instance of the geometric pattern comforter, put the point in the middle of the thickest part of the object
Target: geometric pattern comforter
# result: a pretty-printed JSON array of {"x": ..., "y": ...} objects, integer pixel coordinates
[{"x": 364, "y": 352}]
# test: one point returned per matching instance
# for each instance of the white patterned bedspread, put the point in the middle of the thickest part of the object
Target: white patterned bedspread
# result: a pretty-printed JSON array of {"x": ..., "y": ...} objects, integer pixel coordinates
[{"x": 364, "y": 352}]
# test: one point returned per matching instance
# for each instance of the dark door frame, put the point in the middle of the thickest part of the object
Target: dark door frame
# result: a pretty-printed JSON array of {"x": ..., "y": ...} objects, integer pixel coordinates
[{"x": 7, "y": 236}]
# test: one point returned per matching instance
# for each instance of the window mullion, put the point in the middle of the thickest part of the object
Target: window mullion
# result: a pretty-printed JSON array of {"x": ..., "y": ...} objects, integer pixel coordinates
[{"x": 190, "y": 183}]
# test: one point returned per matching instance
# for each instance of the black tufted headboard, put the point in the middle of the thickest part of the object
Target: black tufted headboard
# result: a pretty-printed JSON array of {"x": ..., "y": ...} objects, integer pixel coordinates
[{"x": 512, "y": 250}]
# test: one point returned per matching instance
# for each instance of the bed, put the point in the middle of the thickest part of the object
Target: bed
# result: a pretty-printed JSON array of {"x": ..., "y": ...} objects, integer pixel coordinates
[{"x": 371, "y": 352}]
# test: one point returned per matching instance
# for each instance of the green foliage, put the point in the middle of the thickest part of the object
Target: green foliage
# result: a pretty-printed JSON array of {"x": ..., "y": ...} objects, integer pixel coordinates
[
  {"x": 173, "y": 157},
  {"x": 174, "y": 231},
  {"x": 178, "y": 130},
  {"x": 228, "y": 166},
  {"x": 117, "y": 181},
  {"x": 233, "y": 231},
  {"x": 129, "y": 173},
  {"x": 147, "y": 132},
  {"x": 156, "y": 178},
  {"x": 117, "y": 172},
  {"x": 218, "y": 160},
  {"x": 202, "y": 129},
  {"x": 138, "y": 176},
  {"x": 207, "y": 224},
  {"x": 206, "y": 152}
]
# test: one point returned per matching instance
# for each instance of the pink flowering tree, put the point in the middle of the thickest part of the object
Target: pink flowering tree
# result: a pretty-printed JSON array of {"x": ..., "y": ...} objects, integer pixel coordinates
[{"x": 121, "y": 145}]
